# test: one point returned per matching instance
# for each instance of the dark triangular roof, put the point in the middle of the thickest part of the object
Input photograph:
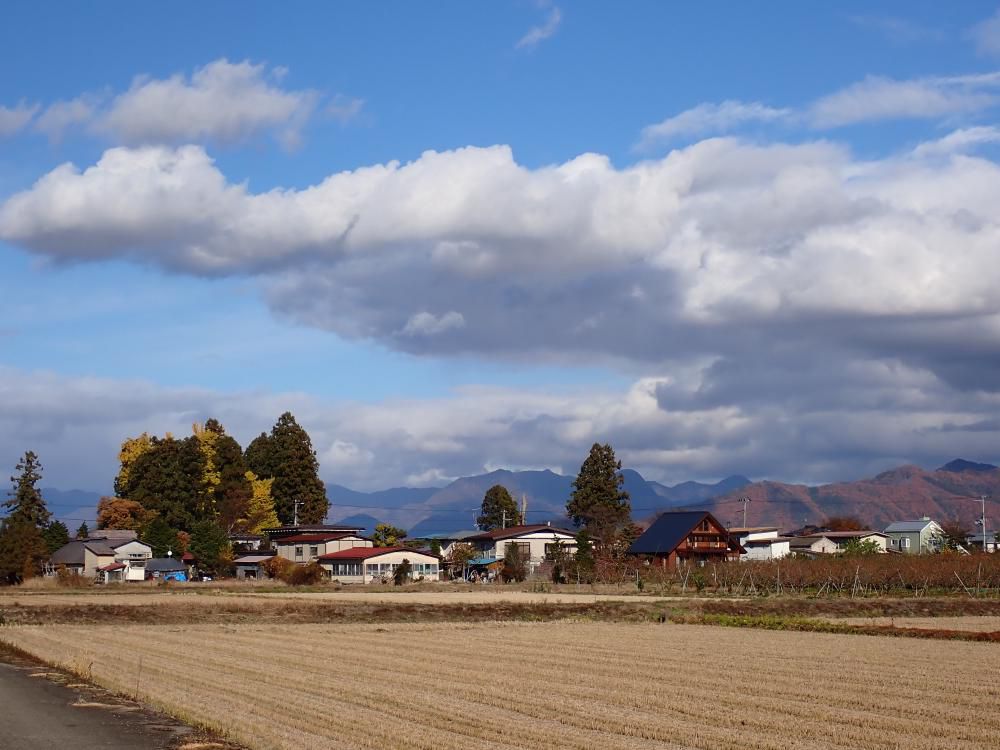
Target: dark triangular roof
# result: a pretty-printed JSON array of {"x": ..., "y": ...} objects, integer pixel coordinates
[{"x": 669, "y": 530}]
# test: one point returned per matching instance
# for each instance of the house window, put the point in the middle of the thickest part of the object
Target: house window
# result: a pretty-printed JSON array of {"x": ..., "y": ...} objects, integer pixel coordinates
[
  {"x": 905, "y": 542},
  {"x": 703, "y": 526},
  {"x": 313, "y": 551},
  {"x": 554, "y": 550},
  {"x": 298, "y": 552},
  {"x": 372, "y": 569},
  {"x": 524, "y": 548}
]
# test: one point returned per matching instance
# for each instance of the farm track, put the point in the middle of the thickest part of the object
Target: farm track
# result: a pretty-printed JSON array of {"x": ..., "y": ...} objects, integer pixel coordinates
[{"x": 558, "y": 685}]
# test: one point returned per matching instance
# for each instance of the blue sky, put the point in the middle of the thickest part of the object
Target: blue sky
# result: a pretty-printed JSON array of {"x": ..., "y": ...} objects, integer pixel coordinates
[{"x": 510, "y": 299}]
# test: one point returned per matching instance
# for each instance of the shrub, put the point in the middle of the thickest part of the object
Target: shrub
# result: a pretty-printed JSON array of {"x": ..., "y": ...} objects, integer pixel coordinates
[
  {"x": 306, "y": 575},
  {"x": 278, "y": 567},
  {"x": 402, "y": 572}
]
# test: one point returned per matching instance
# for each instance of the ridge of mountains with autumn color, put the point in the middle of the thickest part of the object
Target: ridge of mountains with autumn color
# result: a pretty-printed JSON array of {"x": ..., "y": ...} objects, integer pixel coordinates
[{"x": 951, "y": 492}]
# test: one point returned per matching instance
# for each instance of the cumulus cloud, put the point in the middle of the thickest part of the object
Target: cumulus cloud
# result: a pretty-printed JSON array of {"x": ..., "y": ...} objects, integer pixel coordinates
[
  {"x": 986, "y": 36},
  {"x": 62, "y": 116},
  {"x": 879, "y": 98},
  {"x": 544, "y": 30},
  {"x": 13, "y": 119},
  {"x": 707, "y": 119}
]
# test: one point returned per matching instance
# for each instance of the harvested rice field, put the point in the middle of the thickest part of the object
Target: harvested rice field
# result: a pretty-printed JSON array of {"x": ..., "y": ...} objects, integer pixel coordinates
[
  {"x": 968, "y": 623},
  {"x": 541, "y": 685}
]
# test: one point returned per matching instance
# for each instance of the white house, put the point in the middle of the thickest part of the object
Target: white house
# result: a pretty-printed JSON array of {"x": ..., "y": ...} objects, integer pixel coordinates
[
  {"x": 109, "y": 555},
  {"x": 813, "y": 544},
  {"x": 761, "y": 542},
  {"x": 304, "y": 548},
  {"x": 537, "y": 542},
  {"x": 843, "y": 538},
  {"x": 374, "y": 564}
]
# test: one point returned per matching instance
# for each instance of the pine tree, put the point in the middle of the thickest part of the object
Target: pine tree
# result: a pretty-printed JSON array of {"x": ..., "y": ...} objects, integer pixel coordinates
[
  {"x": 26, "y": 501},
  {"x": 295, "y": 471},
  {"x": 83, "y": 532},
  {"x": 56, "y": 535},
  {"x": 387, "y": 535},
  {"x": 210, "y": 547},
  {"x": 499, "y": 509},
  {"x": 167, "y": 479},
  {"x": 257, "y": 456},
  {"x": 131, "y": 450},
  {"x": 161, "y": 538},
  {"x": 598, "y": 502}
]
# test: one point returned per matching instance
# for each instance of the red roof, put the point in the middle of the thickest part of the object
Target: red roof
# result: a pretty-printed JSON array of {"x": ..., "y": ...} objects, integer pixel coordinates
[
  {"x": 306, "y": 538},
  {"x": 363, "y": 553},
  {"x": 187, "y": 557},
  {"x": 513, "y": 531},
  {"x": 112, "y": 566}
]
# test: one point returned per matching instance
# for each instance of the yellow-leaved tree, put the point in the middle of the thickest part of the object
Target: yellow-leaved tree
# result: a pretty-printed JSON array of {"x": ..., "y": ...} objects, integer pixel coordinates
[
  {"x": 260, "y": 510},
  {"x": 132, "y": 449},
  {"x": 211, "y": 478}
]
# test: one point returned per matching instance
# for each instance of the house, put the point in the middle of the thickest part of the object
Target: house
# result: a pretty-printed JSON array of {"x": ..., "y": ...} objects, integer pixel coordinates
[
  {"x": 449, "y": 540},
  {"x": 915, "y": 537},
  {"x": 537, "y": 542},
  {"x": 761, "y": 542},
  {"x": 246, "y": 542},
  {"x": 686, "y": 537},
  {"x": 166, "y": 569},
  {"x": 109, "y": 555},
  {"x": 281, "y": 532},
  {"x": 844, "y": 538},
  {"x": 251, "y": 566},
  {"x": 811, "y": 545},
  {"x": 975, "y": 541},
  {"x": 368, "y": 564},
  {"x": 306, "y": 547}
]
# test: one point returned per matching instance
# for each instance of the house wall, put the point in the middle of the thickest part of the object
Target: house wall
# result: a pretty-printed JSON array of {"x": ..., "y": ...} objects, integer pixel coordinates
[
  {"x": 322, "y": 548},
  {"x": 92, "y": 562},
  {"x": 897, "y": 541},
  {"x": 776, "y": 549},
  {"x": 536, "y": 541},
  {"x": 134, "y": 554},
  {"x": 386, "y": 565}
]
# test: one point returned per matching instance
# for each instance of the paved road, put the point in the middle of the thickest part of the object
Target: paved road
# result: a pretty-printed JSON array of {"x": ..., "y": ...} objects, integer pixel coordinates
[{"x": 38, "y": 713}]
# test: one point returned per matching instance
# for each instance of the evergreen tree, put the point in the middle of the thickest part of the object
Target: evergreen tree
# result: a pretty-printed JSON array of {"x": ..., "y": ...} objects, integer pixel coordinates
[
  {"x": 498, "y": 510},
  {"x": 295, "y": 471},
  {"x": 515, "y": 566},
  {"x": 83, "y": 532},
  {"x": 387, "y": 535},
  {"x": 227, "y": 491},
  {"x": 56, "y": 535},
  {"x": 210, "y": 547},
  {"x": 257, "y": 456},
  {"x": 161, "y": 538},
  {"x": 26, "y": 501},
  {"x": 167, "y": 479},
  {"x": 598, "y": 502},
  {"x": 131, "y": 450}
]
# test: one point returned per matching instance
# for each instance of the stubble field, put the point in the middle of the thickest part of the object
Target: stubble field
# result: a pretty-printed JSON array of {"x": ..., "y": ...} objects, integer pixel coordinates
[{"x": 574, "y": 685}]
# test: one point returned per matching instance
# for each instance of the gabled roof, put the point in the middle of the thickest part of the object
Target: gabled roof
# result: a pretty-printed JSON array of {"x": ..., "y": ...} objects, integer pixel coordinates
[
  {"x": 164, "y": 565},
  {"x": 908, "y": 526},
  {"x": 751, "y": 529},
  {"x": 253, "y": 559},
  {"x": 836, "y": 535},
  {"x": 807, "y": 541},
  {"x": 453, "y": 536},
  {"x": 364, "y": 553},
  {"x": 74, "y": 552},
  {"x": 114, "y": 536},
  {"x": 515, "y": 531},
  {"x": 113, "y": 566},
  {"x": 669, "y": 530},
  {"x": 330, "y": 536}
]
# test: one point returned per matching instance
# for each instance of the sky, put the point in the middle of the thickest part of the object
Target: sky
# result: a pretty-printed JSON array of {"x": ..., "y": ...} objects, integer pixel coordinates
[{"x": 453, "y": 237}]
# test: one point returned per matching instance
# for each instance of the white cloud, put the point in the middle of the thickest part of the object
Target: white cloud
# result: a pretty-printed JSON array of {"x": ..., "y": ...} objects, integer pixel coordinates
[
  {"x": 986, "y": 36},
  {"x": 899, "y": 30},
  {"x": 428, "y": 324},
  {"x": 959, "y": 141},
  {"x": 879, "y": 98},
  {"x": 223, "y": 101},
  {"x": 707, "y": 119},
  {"x": 344, "y": 109},
  {"x": 64, "y": 115},
  {"x": 543, "y": 31},
  {"x": 13, "y": 119}
]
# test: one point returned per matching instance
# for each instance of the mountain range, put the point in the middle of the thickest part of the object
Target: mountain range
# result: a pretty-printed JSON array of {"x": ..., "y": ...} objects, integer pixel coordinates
[{"x": 906, "y": 492}]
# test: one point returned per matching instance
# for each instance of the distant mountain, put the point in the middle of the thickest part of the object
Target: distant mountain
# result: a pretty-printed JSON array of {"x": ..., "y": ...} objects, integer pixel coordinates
[
  {"x": 693, "y": 492},
  {"x": 362, "y": 520},
  {"x": 906, "y": 492},
  {"x": 960, "y": 464},
  {"x": 72, "y": 507}
]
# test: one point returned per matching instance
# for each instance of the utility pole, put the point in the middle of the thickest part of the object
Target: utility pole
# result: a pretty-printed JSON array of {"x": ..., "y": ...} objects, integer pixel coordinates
[
  {"x": 503, "y": 524},
  {"x": 297, "y": 504},
  {"x": 746, "y": 503},
  {"x": 982, "y": 522}
]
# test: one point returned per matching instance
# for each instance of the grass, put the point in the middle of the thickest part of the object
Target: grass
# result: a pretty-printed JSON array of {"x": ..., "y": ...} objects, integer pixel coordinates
[{"x": 561, "y": 685}]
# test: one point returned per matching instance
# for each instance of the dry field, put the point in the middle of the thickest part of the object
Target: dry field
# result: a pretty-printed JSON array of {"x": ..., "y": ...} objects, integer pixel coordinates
[
  {"x": 541, "y": 685},
  {"x": 970, "y": 623}
]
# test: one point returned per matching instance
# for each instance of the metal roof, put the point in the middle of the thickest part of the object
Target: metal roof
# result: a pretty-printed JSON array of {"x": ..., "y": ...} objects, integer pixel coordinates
[
  {"x": 515, "y": 531},
  {"x": 164, "y": 565},
  {"x": 669, "y": 530},
  {"x": 905, "y": 526},
  {"x": 364, "y": 553}
]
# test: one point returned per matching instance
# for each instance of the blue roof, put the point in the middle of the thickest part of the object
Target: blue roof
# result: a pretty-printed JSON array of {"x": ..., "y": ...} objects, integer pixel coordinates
[
  {"x": 482, "y": 560},
  {"x": 667, "y": 531}
]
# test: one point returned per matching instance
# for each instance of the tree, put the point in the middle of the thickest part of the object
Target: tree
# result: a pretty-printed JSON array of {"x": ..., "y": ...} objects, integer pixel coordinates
[
  {"x": 498, "y": 510},
  {"x": 293, "y": 465},
  {"x": 844, "y": 523},
  {"x": 459, "y": 556},
  {"x": 210, "y": 546},
  {"x": 257, "y": 456},
  {"x": 119, "y": 513},
  {"x": 131, "y": 450},
  {"x": 56, "y": 535},
  {"x": 435, "y": 547},
  {"x": 23, "y": 548},
  {"x": 859, "y": 548},
  {"x": 168, "y": 479},
  {"x": 387, "y": 535},
  {"x": 161, "y": 538},
  {"x": 225, "y": 489},
  {"x": 83, "y": 532},
  {"x": 954, "y": 535},
  {"x": 26, "y": 501},
  {"x": 584, "y": 557},
  {"x": 260, "y": 513},
  {"x": 598, "y": 502},
  {"x": 515, "y": 566},
  {"x": 402, "y": 572}
]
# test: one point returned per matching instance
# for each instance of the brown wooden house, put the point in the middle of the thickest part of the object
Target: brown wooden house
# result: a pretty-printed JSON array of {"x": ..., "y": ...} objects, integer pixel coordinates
[{"x": 685, "y": 537}]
